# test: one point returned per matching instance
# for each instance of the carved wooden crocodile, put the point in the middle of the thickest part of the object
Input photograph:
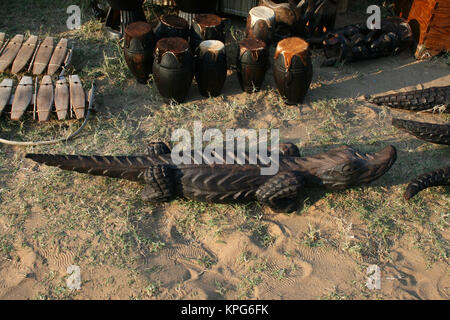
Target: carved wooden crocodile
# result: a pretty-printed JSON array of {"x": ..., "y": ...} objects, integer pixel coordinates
[
  {"x": 416, "y": 100},
  {"x": 339, "y": 168},
  {"x": 439, "y": 177},
  {"x": 434, "y": 133},
  {"x": 358, "y": 42}
]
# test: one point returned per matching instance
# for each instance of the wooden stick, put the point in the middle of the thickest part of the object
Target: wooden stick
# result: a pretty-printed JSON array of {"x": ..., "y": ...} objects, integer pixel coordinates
[
  {"x": 70, "y": 101},
  {"x": 4, "y": 46},
  {"x": 67, "y": 62},
  {"x": 34, "y": 56},
  {"x": 35, "y": 98}
]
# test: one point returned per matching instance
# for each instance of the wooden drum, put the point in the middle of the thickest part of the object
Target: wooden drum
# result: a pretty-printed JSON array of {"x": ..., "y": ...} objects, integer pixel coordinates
[
  {"x": 206, "y": 27},
  {"x": 138, "y": 50},
  {"x": 173, "y": 68},
  {"x": 211, "y": 67},
  {"x": 261, "y": 23},
  {"x": 293, "y": 69},
  {"x": 252, "y": 64},
  {"x": 172, "y": 26}
]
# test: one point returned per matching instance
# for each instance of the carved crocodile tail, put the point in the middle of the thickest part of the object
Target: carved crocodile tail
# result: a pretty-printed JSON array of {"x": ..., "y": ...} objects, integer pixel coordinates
[
  {"x": 440, "y": 177},
  {"x": 416, "y": 100},
  {"x": 130, "y": 168},
  {"x": 434, "y": 133}
]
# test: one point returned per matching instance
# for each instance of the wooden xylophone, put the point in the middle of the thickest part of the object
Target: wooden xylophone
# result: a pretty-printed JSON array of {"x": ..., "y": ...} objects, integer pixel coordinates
[
  {"x": 66, "y": 98},
  {"x": 16, "y": 54}
]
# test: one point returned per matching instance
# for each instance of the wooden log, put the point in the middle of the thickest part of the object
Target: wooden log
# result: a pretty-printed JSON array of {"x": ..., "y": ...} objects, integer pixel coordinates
[
  {"x": 24, "y": 55},
  {"x": 10, "y": 52}
]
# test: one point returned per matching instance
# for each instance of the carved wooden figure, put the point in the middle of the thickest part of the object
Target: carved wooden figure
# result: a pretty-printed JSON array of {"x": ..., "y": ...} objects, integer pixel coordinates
[{"x": 339, "y": 168}]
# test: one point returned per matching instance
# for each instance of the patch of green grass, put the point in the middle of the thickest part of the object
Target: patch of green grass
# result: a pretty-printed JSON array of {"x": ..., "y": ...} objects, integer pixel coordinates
[
  {"x": 312, "y": 237},
  {"x": 247, "y": 285},
  {"x": 246, "y": 257},
  {"x": 153, "y": 289},
  {"x": 6, "y": 247},
  {"x": 206, "y": 262},
  {"x": 433, "y": 245},
  {"x": 335, "y": 294},
  {"x": 220, "y": 288}
]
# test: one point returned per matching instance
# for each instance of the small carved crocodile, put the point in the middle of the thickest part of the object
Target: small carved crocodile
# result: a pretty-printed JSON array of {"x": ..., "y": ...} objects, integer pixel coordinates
[
  {"x": 358, "y": 42},
  {"x": 434, "y": 133},
  {"x": 416, "y": 100},
  {"x": 439, "y": 177},
  {"x": 339, "y": 168}
]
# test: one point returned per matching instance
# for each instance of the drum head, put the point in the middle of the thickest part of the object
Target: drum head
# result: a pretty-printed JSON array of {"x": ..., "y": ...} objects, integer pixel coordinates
[
  {"x": 291, "y": 47},
  {"x": 262, "y": 13},
  {"x": 215, "y": 47},
  {"x": 174, "y": 21},
  {"x": 212, "y": 46},
  {"x": 138, "y": 29},
  {"x": 174, "y": 45},
  {"x": 252, "y": 44},
  {"x": 208, "y": 20}
]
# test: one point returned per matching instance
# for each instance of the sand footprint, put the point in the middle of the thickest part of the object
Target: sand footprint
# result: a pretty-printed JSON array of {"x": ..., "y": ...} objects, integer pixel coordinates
[
  {"x": 191, "y": 254},
  {"x": 57, "y": 260},
  {"x": 279, "y": 279}
]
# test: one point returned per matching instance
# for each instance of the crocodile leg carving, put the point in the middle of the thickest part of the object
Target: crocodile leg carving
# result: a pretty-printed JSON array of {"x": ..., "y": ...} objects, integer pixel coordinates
[
  {"x": 157, "y": 148},
  {"x": 159, "y": 184},
  {"x": 281, "y": 191},
  {"x": 416, "y": 100},
  {"x": 435, "y": 133},
  {"x": 440, "y": 177}
]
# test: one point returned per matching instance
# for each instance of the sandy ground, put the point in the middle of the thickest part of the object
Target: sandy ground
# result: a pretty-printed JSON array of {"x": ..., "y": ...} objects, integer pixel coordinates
[{"x": 236, "y": 264}]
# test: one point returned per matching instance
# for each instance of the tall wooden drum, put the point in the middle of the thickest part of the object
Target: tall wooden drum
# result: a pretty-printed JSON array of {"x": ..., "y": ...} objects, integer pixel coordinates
[
  {"x": 173, "y": 68},
  {"x": 172, "y": 26},
  {"x": 206, "y": 27},
  {"x": 261, "y": 24},
  {"x": 211, "y": 67},
  {"x": 293, "y": 69},
  {"x": 138, "y": 50},
  {"x": 252, "y": 64}
]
